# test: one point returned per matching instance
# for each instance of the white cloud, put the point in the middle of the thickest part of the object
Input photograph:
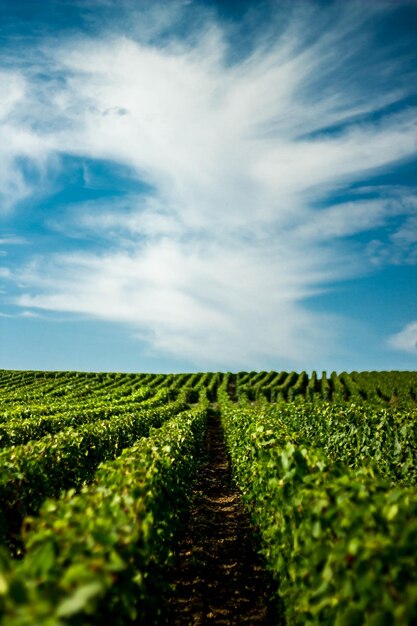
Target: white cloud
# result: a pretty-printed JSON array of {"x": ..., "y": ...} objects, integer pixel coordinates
[
  {"x": 214, "y": 264},
  {"x": 197, "y": 299},
  {"x": 406, "y": 235},
  {"x": 12, "y": 240},
  {"x": 13, "y": 92},
  {"x": 400, "y": 247},
  {"x": 406, "y": 339},
  {"x": 30, "y": 314},
  {"x": 217, "y": 141},
  {"x": 124, "y": 219},
  {"x": 17, "y": 140}
]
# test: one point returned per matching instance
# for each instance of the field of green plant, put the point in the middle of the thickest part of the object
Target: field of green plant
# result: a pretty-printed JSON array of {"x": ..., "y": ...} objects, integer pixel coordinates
[{"x": 96, "y": 473}]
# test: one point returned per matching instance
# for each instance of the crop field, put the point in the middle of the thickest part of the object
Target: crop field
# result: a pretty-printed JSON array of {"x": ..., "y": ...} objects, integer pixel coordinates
[{"x": 209, "y": 498}]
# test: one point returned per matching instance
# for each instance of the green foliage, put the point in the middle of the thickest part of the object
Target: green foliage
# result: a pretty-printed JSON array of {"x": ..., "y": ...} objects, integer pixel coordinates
[
  {"x": 383, "y": 438},
  {"x": 40, "y": 469},
  {"x": 327, "y": 467},
  {"x": 17, "y": 431},
  {"x": 340, "y": 541},
  {"x": 97, "y": 556},
  {"x": 393, "y": 388}
]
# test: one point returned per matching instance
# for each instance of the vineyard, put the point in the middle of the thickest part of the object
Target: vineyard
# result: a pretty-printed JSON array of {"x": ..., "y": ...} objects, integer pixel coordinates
[{"x": 258, "y": 498}]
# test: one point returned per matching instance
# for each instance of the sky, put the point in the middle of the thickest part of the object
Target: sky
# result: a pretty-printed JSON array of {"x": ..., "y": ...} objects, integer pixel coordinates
[{"x": 190, "y": 185}]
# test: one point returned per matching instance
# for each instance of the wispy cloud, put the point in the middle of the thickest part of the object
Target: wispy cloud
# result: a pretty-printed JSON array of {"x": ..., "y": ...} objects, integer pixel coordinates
[
  {"x": 12, "y": 240},
  {"x": 406, "y": 339},
  {"x": 30, "y": 314},
  {"x": 220, "y": 256},
  {"x": 19, "y": 141}
]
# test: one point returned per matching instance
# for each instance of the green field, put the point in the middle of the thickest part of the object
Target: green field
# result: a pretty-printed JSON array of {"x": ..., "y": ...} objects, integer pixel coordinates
[{"x": 97, "y": 474}]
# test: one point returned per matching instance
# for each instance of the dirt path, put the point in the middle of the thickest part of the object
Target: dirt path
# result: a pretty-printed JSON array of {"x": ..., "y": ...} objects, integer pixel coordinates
[{"x": 219, "y": 578}]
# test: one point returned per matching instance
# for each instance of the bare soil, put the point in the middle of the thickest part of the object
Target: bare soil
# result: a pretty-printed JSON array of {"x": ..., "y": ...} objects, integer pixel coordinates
[{"x": 219, "y": 577}]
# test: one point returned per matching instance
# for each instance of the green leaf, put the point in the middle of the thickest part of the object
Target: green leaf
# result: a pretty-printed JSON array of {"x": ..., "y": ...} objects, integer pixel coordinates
[
  {"x": 77, "y": 602},
  {"x": 44, "y": 558},
  {"x": 4, "y": 585},
  {"x": 354, "y": 546},
  {"x": 392, "y": 512},
  {"x": 316, "y": 530}
]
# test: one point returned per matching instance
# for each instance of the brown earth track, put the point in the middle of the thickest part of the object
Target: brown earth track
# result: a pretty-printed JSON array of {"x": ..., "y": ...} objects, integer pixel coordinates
[{"x": 219, "y": 577}]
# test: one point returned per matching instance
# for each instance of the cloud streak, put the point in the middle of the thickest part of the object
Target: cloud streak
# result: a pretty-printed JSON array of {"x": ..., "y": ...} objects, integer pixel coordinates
[
  {"x": 406, "y": 339},
  {"x": 216, "y": 261}
]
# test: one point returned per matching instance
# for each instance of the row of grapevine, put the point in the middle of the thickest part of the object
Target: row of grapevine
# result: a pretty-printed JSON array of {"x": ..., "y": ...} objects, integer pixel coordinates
[
  {"x": 45, "y": 391},
  {"x": 29, "y": 395},
  {"x": 94, "y": 405},
  {"x": 377, "y": 387},
  {"x": 327, "y": 466},
  {"x": 42, "y": 468},
  {"x": 339, "y": 540},
  {"x": 98, "y": 556},
  {"x": 381, "y": 437},
  {"x": 47, "y": 385},
  {"x": 17, "y": 431}
]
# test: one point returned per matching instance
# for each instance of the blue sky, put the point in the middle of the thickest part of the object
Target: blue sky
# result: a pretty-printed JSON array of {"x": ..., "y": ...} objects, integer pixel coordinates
[{"x": 217, "y": 185}]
